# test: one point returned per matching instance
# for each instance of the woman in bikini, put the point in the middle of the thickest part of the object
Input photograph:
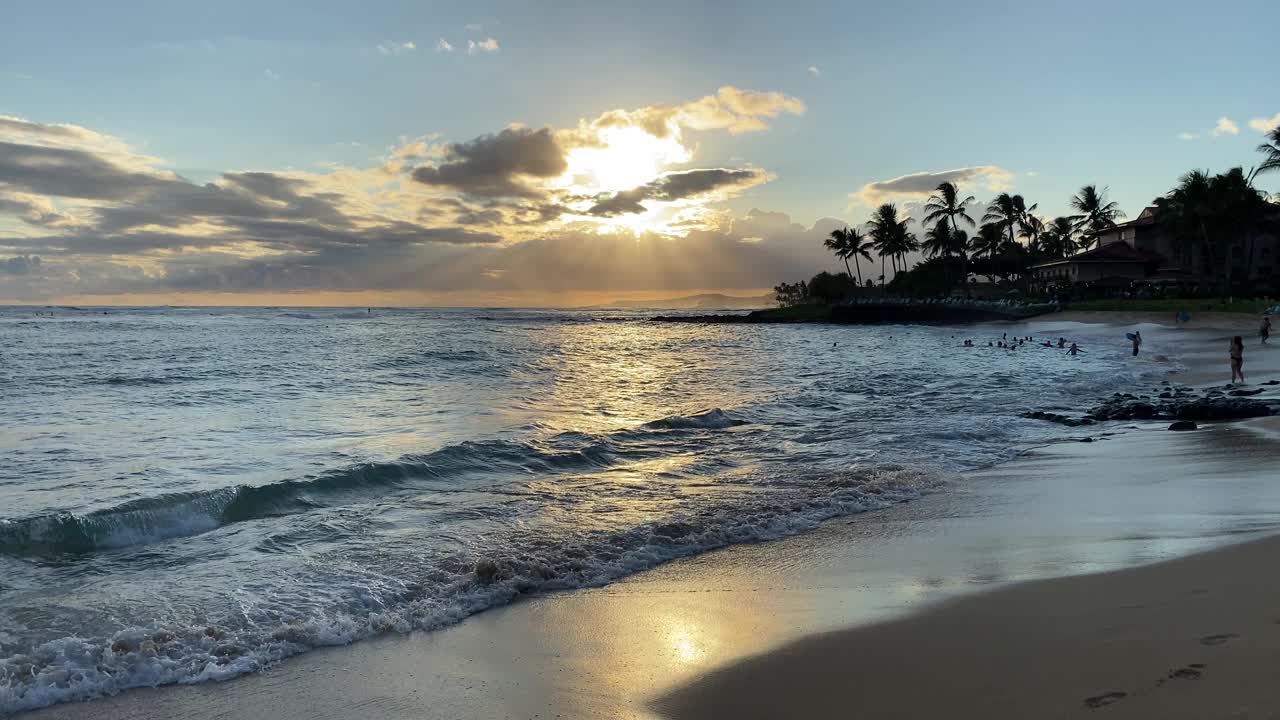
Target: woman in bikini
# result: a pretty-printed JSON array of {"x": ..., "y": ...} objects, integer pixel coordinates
[{"x": 1237, "y": 358}]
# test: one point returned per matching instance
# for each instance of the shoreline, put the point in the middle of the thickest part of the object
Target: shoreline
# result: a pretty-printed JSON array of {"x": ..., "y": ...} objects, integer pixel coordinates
[
  {"x": 1192, "y": 637},
  {"x": 732, "y": 603}
]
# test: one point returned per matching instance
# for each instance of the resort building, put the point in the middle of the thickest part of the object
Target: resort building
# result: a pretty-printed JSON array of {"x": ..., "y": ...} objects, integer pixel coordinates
[{"x": 1141, "y": 250}]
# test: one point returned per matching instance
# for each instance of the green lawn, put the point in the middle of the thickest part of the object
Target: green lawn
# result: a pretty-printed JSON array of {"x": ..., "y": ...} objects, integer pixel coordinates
[{"x": 1173, "y": 305}]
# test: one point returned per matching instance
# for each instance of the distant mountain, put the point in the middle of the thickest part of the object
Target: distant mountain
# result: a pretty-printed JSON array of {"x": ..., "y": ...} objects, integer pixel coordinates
[{"x": 709, "y": 301}]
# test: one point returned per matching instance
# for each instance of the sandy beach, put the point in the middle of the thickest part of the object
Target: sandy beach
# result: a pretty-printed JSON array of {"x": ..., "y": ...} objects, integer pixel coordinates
[{"x": 1062, "y": 584}]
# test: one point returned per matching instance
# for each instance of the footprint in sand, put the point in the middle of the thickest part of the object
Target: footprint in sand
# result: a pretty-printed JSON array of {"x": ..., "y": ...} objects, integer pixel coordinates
[
  {"x": 1217, "y": 639},
  {"x": 1098, "y": 701},
  {"x": 1189, "y": 672}
]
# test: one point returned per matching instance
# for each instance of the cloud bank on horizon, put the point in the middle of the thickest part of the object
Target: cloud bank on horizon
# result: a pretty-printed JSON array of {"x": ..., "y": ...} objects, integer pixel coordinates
[{"x": 610, "y": 204}]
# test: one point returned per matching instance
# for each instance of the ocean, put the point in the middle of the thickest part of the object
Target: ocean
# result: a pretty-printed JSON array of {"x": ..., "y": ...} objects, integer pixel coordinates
[{"x": 190, "y": 494}]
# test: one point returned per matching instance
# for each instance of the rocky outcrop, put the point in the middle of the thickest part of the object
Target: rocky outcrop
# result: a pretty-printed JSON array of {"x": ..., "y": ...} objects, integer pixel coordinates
[
  {"x": 1181, "y": 404},
  {"x": 1210, "y": 407}
]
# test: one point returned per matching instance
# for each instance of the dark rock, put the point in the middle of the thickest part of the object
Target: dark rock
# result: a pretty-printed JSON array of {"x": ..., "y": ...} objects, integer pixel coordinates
[
  {"x": 1206, "y": 408},
  {"x": 1243, "y": 393},
  {"x": 1272, "y": 382},
  {"x": 1060, "y": 419},
  {"x": 1183, "y": 425},
  {"x": 1166, "y": 396}
]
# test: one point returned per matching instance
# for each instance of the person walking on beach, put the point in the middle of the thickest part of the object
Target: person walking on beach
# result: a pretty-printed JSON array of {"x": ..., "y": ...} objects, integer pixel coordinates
[
  {"x": 1265, "y": 330},
  {"x": 1137, "y": 343},
  {"x": 1237, "y": 358}
]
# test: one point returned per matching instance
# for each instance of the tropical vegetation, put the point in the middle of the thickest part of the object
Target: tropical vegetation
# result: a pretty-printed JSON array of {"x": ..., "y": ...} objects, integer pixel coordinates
[{"x": 1219, "y": 218}]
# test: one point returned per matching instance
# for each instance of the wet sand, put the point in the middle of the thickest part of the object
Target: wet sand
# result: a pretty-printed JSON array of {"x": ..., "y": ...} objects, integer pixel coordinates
[
  {"x": 758, "y": 630},
  {"x": 1197, "y": 637}
]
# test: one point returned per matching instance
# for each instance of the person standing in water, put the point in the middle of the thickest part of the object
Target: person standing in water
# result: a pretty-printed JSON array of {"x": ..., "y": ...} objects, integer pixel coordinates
[
  {"x": 1265, "y": 330},
  {"x": 1137, "y": 343},
  {"x": 1237, "y": 358}
]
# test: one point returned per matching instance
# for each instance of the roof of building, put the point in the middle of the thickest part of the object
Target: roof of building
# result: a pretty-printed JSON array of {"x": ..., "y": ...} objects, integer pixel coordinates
[
  {"x": 1116, "y": 252},
  {"x": 1146, "y": 217}
]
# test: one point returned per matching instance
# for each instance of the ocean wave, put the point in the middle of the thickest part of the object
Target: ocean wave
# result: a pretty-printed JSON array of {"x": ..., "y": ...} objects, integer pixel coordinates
[
  {"x": 175, "y": 515},
  {"x": 447, "y": 590},
  {"x": 714, "y": 419}
]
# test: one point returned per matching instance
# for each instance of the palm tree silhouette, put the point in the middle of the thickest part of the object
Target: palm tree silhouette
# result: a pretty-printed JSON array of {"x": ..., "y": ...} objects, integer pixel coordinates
[
  {"x": 889, "y": 235},
  {"x": 838, "y": 243},
  {"x": 1271, "y": 149},
  {"x": 1032, "y": 229},
  {"x": 1096, "y": 213},
  {"x": 946, "y": 204},
  {"x": 1215, "y": 213},
  {"x": 1007, "y": 211},
  {"x": 859, "y": 245},
  {"x": 1058, "y": 239},
  {"x": 849, "y": 243}
]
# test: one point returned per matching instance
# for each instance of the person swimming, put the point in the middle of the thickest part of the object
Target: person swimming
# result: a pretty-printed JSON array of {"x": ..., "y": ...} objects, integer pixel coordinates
[
  {"x": 1075, "y": 349},
  {"x": 1062, "y": 342}
]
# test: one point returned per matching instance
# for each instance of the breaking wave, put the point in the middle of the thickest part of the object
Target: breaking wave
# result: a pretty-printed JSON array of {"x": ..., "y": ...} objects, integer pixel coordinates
[{"x": 442, "y": 591}]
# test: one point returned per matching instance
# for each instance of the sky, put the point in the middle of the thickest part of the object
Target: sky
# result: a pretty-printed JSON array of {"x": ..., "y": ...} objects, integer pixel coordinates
[{"x": 568, "y": 153}]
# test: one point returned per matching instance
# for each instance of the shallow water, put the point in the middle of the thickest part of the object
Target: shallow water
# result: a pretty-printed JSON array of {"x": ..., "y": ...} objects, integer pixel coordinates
[{"x": 191, "y": 494}]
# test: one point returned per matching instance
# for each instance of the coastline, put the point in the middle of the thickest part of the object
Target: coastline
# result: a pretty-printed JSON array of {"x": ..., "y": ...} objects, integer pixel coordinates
[{"x": 607, "y": 652}]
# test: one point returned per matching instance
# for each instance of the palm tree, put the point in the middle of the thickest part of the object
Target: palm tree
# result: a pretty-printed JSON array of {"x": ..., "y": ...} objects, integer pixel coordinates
[
  {"x": 938, "y": 240},
  {"x": 1271, "y": 149},
  {"x": 989, "y": 240},
  {"x": 1215, "y": 214},
  {"x": 1096, "y": 213},
  {"x": 1032, "y": 229},
  {"x": 1007, "y": 211},
  {"x": 1058, "y": 239},
  {"x": 838, "y": 243},
  {"x": 849, "y": 243},
  {"x": 904, "y": 243},
  {"x": 889, "y": 235},
  {"x": 859, "y": 245},
  {"x": 946, "y": 204}
]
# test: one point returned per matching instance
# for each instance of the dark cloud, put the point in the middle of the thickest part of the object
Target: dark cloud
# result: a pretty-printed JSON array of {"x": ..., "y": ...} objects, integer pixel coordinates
[
  {"x": 922, "y": 184},
  {"x": 71, "y": 173},
  {"x": 675, "y": 186},
  {"x": 498, "y": 165},
  {"x": 21, "y": 265}
]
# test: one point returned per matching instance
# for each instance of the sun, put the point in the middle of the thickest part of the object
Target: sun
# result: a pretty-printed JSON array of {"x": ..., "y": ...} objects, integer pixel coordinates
[{"x": 625, "y": 158}]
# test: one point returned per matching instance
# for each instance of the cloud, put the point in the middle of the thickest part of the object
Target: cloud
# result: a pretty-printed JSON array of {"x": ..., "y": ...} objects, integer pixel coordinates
[
  {"x": 492, "y": 212},
  {"x": 473, "y": 27},
  {"x": 1188, "y": 136},
  {"x": 443, "y": 46},
  {"x": 1226, "y": 126},
  {"x": 498, "y": 165},
  {"x": 392, "y": 48},
  {"x": 489, "y": 45},
  {"x": 922, "y": 184},
  {"x": 731, "y": 108},
  {"x": 1264, "y": 124},
  {"x": 814, "y": 71},
  {"x": 678, "y": 186},
  {"x": 21, "y": 265},
  {"x": 271, "y": 74}
]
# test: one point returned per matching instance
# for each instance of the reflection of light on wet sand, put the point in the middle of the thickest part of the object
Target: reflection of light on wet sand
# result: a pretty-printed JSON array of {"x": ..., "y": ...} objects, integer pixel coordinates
[{"x": 685, "y": 642}]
